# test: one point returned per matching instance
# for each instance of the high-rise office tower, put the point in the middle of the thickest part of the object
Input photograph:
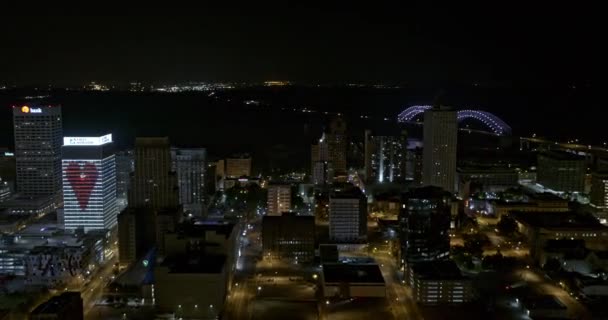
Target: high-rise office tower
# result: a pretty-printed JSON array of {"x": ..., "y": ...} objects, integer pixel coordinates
[
  {"x": 414, "y": 165},
  {"x": 439, "y": 155},
  {"x": 154, "y": 184},
  {"x": 347, "y": 215},
  {"x": 190, "y": 166},
  {"x": 89, "y": 183},
  {"x": 385, "y": 157},
  {"x": 38, "y": 140},
  {"x": 279, "y": 199},
  {"x": 336, "y": 144},
  {"x": 424, "y": 221},
  {"x": 321, "y": 169},
  {"x": 125, "y": 165}
]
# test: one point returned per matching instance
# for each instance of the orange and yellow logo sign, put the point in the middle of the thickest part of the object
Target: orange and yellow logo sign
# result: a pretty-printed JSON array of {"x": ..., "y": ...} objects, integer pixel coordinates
[{"x": 25, "y": 109}]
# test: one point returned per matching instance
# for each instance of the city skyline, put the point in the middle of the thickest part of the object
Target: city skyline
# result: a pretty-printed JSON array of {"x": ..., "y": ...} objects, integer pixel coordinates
[{"x": 377, "y": 161}]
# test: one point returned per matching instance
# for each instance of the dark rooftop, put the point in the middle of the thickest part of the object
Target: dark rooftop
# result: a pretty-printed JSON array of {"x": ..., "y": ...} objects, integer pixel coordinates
[
  {"x": 437, "y": 270},
  {"x": 426, "y": 193},
  {"x": 354, "y": 273},
  {"x": 542, "y": 302},
  {"x": 188, "y": 263},
  {"x": 561, "y": 155},
  {"x": 56, "y": 303},
  {"x": 558, "y": 220},
  {"x": 198, "y": 228},
  {"x": 554, "y": 245},
  {"x": 329, "y": 253},
  {"x": 545, "y": 196}
]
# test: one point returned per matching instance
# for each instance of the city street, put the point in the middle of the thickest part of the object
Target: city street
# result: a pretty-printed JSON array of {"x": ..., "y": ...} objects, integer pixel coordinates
[
  {"x": 544, "y": 286},
  {"x": 399, "y": 296}
]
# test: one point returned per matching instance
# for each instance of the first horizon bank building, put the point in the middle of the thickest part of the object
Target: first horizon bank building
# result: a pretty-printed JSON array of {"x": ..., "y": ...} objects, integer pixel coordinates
[{"x": 88, "y": 168}]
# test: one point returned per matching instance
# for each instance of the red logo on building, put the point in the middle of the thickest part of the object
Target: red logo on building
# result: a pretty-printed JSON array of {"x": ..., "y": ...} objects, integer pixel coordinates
[{"x": 82, "y": 178}]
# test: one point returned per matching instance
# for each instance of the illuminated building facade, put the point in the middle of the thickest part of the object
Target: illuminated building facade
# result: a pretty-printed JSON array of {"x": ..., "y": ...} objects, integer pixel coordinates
[
  {"x": 385, "y": 157},
  {"x": 348, "y": 216},
  {"x": 599, "y": 189},
  {"x": 279, "y": 199},
  {"x": 439, "y": 154},
  {"x": 38, "y": 140},
  {"x": 439, "y": 282},
  {"x": 238, "y": 166},
  {"x": 89, "y": 183},
  {"x": 190, "y": 166}
]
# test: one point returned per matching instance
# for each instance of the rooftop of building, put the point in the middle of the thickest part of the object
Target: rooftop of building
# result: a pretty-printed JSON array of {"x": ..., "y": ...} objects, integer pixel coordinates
[
  {"x": 544, "y": 196},
  {"x": 352, "y": 273},
  {"x": 396, "y": 130},
  {"x": 188, "y": 263},
  {"x": 557, "y": 245},
  {"x": 486, "y": 169},
  {"x": 542, "y": 302},
  {"x": 197, "y": 227},
  {"x": 426, "y": 193},
  {"x": 437, "y": 270},
  {"x": 561, "y": 155},
  {"x": 602, "y": 255},
  {"x": 559, "y": 220},
  {"x": 152, "y": 141},
  {"x": 329, "y": 252},
  {"x": 239, "y": 156},
  {"x": 28, "y": 202},
  {"x": 56, "y": 303},
  {"x": 345, "y": 191}
]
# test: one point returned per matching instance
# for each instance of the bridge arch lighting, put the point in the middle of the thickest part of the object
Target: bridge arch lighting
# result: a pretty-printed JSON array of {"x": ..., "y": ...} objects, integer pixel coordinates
[{"x": 495, "y": 125}]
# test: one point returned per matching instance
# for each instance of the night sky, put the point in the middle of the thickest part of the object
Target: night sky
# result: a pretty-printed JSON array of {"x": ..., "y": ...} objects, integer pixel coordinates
[{"x": 521, "y": 44}]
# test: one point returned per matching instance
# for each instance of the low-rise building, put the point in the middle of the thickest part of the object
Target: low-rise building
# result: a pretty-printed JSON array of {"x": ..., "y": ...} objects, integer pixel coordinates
[
  {"x": 537, "y": 202},
  {"x": 345, "y": 280},
  {"x": 29, "y": 206},
  {"x": 191, "y": 286},
  {"x": 52, "y": 266},
  {"x": 540, "y": 227},
  {"x": 289, "y": 237},
  {"x": 439, "y": 282},
  {"x": 66, "y": 306},
  {"x": 486, "y": 178}
]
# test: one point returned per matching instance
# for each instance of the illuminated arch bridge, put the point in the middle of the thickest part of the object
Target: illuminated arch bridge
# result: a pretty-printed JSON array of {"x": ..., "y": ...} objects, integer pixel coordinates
[{"x": 490, "y": 121}]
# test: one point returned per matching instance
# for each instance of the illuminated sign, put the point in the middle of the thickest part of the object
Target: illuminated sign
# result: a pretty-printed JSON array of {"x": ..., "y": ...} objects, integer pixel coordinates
[
  {"x": 26, "y": 109},
  {"x": 9, "y": 154},
  {"x": 87, "y": 141}
]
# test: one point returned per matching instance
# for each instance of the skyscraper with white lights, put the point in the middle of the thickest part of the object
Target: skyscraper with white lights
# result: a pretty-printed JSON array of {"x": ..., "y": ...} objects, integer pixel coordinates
[{"x": 89, "y": 183}]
